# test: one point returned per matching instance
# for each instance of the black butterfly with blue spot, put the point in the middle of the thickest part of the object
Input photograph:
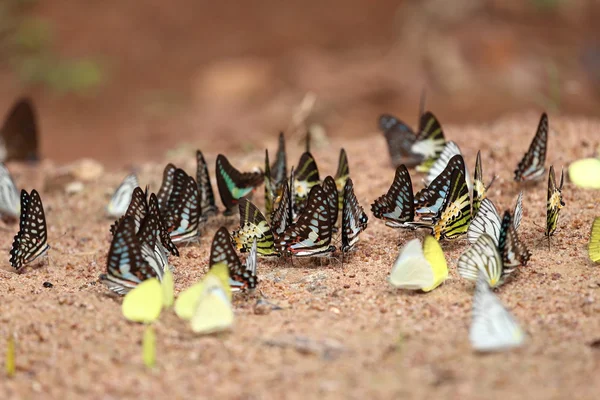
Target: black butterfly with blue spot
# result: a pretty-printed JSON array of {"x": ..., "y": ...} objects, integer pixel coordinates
[
  {"x": 396, "y": 207},
  {"x": 354, "y": 219}
]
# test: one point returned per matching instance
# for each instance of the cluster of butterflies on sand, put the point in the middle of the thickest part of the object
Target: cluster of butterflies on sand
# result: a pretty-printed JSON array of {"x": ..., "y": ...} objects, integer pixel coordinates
[{"x": 303, "y": 213}]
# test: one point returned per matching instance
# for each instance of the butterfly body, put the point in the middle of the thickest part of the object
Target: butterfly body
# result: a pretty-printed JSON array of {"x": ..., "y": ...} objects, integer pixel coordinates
[
  {"x": 554, "y": 202},
  {"x": 253, "y": 227}
]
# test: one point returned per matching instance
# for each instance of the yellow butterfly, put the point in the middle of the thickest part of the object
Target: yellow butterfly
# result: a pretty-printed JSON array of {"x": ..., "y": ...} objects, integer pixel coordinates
[
  {"x": 594, "y": 246},
  {"x": 213, "y": 311},
  {"x": 420, "y": 268},
  {"x": 145, "y": 302},
  {"x": 585, "y": 173}
]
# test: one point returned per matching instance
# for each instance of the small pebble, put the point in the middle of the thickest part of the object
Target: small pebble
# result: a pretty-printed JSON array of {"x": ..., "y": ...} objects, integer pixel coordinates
[{"x": 48, "y": 285}]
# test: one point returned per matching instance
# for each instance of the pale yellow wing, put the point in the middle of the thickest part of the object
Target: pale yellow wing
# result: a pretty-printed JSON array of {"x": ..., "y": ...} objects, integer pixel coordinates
[
  {"x": 585, "y": 173},
  {"x": 435, "y": 256},
  {"x": 213, "y": 312},
  {"x": 594, "y": 246},
  {"x": 144, "y": 302}
]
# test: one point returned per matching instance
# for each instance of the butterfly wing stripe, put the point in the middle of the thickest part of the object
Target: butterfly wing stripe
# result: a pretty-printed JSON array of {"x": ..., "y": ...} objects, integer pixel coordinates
[{"x": 487, "y": 220}]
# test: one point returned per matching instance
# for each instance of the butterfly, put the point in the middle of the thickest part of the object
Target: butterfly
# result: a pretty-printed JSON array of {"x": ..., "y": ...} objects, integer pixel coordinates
[
  {"x": 493, "y": 327},
  {"x": 487, "y": 220},
  {"x": 396, "y": 207},
  {"x": 555, "y": 202},
  {"x": 212, "y": 311},
  {"x": 451, "y": 149},
  {"x": 9, "y": 196},
  {"x": 184, "y": 216},
  {"x": 120, "y": 200},
  {"x": 341, "y": 176},
  {"x": 166, "y": 186},
  {"x": 126, "y": 267},
  {"x": 233, "y": 184},
  {"x": 165, "y": 237},
  {"x": 253, "y": 227},
  {"x": 311, "y": 234},
  {"x": 513, "y": 251},
  {"x": 483, "y": 258},
  {"x": 282, "y": 217},
  {"x": 152, "y": 249},
  {"x": 585, "y": 173},
  {"x": 207, "y": 197},
  {"x": 594, "y": 245},
  {"x": 19, "y": 134},
  {"x": 400, "y": 138},
  {"x": 270, "y": 187},
  {"x": 531, "y": 167},
  {"x": 31, "y": 240},
  {"x": 430, "y": 141},
  {"x": 221, "y": 250},
  {"x": 331, "y": 192},
  {"x": 279, "y": 168},
  {"x": 145, "y": 302},
  {"x": 138, "y": 209},
  {"x": 306, "y": 176},
  {"x": 454, "y": 216},
  {"x": 419, "y": 267},
  {"x": 354, "y": 219},
  {"x": 479, "y": 188},
  {"x": 185, "y": 305},
  {"x": 429, "y": 200}
]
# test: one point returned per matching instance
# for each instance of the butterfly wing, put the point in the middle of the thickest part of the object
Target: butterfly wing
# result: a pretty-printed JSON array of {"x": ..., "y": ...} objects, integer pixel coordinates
[
  {"x": 120, "y": 200},
  {"x": 31, "y": 240},
  {"x": 166, "y": 186},
  {"x": 283, "y": 215},
  {"x": 396, "y": 207},
  {"x": 341, "y": 176},
  {"x": 594, "y": 245},
  {"x": 213, "y": 311},
  {"x": 451, "y": 149},
  {"x": 253, "y": 227},
  {"x": 222, "y": 251},
  {"x": 184, "y": 216},
  {"x": 331, "y": 192},
  {"x": 165, "y": 237},
  {"x": 233, "y": 184},
  {"x": 429, "y": 200},
  {"x": 138, "y": 209},
  {"x": 9, "y": 196},
  {"x": 482, "y": 257},
  {"x": 279, "y": 168},
  {"x": 400, "y": 138},
  {"x": 487, "y": 220},
  {"x": 306, "y": 176},
  {"x": 19, "y": 134},
  {"x": 531, "y": 166},
  {"x": 411, "y": 270},
  {"x": 518, "y": 211},
  {"x": 354, "y": 219},
  {"x": 513, "y": 251},
  {"x": 493, "y": 328},
  {"x": 207, "y": 196},
  {"x": 454, "y": 217},
  {"x": 555, "y": 202},
  {"x": 435, "y": 257},
  {"x": 430, "y": 141}
]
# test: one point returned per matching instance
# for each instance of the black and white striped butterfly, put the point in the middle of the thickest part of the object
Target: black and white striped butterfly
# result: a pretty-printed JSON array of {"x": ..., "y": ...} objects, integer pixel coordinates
[
  {"x": 488, "y": 220},
  {"x": 31, "y": 240},
  {"x": 126, "y": 266},
  {"x": 166, "y": 187},
  {"x": 117, "y": 206},
  {"x": 483, "y": 258},
  {"x": 396, "y": 207},
  {"x": 451, "y": 149},
  {"x": 531, "y": 167},
  {"x": 152, "y": 249},
  {"x": 9, "y": 196},
  {"x": 222, "y": 251},
  {"x": 493, "y": 327},
  {"x": 283, "y": 216},
  {"x": 331, "y": 192},
  {"x": 165, "y": 237},
  {"x": 311, "y": 234},
  {"x": 183, "y": 216},
  {"x": 207, "y": 196},
  {"x": 137, "y": 209},
  {"x": 354, "y": 219}
]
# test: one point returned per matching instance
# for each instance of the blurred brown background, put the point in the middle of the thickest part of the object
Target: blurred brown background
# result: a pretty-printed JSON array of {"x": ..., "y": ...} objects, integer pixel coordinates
[{"x": 127, "y": 80}]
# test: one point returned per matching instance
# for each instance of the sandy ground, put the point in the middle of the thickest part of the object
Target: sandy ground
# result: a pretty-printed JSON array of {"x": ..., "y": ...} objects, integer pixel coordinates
[{"x": 343, "y": 332}]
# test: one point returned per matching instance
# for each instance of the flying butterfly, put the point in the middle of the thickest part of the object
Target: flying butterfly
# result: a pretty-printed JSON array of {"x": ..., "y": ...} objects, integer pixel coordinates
[
  {"x": 306, "y": 176},
  {"x": 555, "y": 202},
  {"x": 137, "y": 209},
  {"x": 493, "y": 327},
  {"x": 120, "y": 200},
  {"x": 311, "y": 234},
  {"x": 354, "y": 219},
  {"x": 31, "y": 240},
  {"x": 396, "y": 207},
  {"x": 430, "y": 141},
  {"x": 233, "y": 184},
  {"x": 166, "y": 186},
  {"x": 341, "y": 176},
  {"x": 19, "y": 134},
  {"x": 594, "y": 245},
  {"x": 531, "y": 167},
  {"x": 222, "y": 251},
  {"x": 9, "y": 196},
  {"x": 419, "y": 267},
  {"x": 482, "y": 258},
  {"x": 184, "y": 216},
  {"x": 207, "y": 196},
  {"x": 429, "y": 200},
  {"x": 332, "y": 199},
  {"x": 126, "y": 267},
  {"x": 253, "y": 228},
  {"x": 488, "y": 220}
]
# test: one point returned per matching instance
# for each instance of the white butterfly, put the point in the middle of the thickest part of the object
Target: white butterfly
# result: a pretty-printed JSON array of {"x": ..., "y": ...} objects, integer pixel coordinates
[
  {"x": 122, "y": 197},
  {"x": 489, "y": 221},
  {"x": 450, "y": 150},
  {"x": 493, "y": 328},
  {"x": 482, "y": 258},
  {"x": 419, "y": 267},
  {"x": 9, "y": 196}
]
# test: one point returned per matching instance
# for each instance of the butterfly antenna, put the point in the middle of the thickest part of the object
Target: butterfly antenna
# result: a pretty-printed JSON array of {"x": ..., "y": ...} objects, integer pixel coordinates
[{"x": 491, "y": 182}]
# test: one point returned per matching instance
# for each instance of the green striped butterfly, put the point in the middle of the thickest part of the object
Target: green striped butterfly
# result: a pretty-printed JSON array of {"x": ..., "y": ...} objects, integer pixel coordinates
[
  {"x": 396, "y": 207},
  {"x": 270, "y": 187},
  {"x": 341, "y": 176},
  {"x": 307, "y": 176},
  {"x": 430, "y": 141},
  {"x": 555, "y": 202},
  {"x": 253, "y": 226},
  {"x": 311, "y": 234},
  {"x": 454, "y": 216},
  {"x": 531, "y": 167},
  {"x": 233, "y": 184}
]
